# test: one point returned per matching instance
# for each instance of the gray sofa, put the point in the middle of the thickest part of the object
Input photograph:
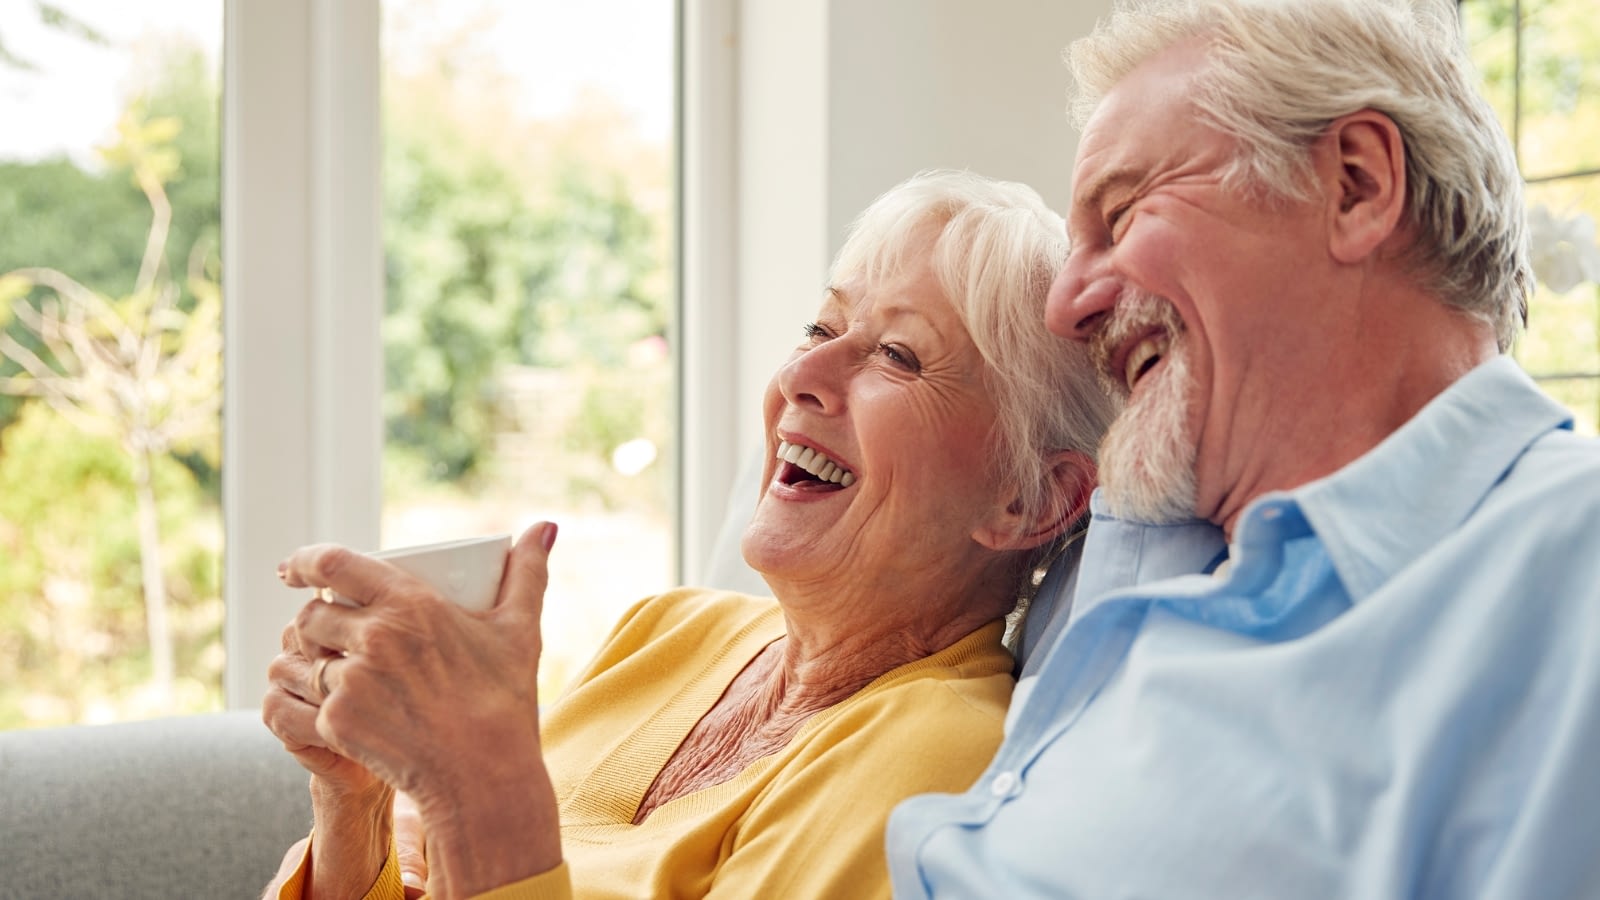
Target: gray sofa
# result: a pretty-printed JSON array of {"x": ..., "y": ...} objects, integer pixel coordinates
[{"x": 190, "y": 807}]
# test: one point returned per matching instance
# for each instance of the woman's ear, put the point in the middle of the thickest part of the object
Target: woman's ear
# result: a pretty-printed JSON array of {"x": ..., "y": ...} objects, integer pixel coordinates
[{"x": 1071, "y": 480}]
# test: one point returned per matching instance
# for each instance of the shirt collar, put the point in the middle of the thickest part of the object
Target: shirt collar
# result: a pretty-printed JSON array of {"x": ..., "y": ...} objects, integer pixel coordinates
[
  {"x": 1386, "y": 508},
  {"x": 1123, "y": 553}
]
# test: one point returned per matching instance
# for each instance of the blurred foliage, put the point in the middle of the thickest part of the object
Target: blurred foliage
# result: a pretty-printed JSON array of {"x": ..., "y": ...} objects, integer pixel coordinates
[
  {"x": 72, "y": 630},
  {"x": 140, "y": 368},
  {"x": 510, "y": 247},
  {"x": 490, "y": 263},
  {"x": 64, "y": 205},
  {"x": 54, "y": 16}
]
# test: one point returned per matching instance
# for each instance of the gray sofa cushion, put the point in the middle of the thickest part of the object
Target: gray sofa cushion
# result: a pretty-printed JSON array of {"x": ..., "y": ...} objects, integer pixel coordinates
[{"x": 197, "y": 806}]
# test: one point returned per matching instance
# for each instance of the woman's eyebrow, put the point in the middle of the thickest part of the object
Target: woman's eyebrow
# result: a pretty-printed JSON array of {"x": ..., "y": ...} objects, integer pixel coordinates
[
  {"x": 834, "y": 298},
  {"x": 901, "y": 310}
]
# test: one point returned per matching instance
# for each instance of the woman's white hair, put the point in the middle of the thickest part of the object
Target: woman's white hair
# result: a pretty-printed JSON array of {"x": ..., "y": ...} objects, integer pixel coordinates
[
  {"x": 1280, "y": 72},
  {"x": 996, "y": 250}
]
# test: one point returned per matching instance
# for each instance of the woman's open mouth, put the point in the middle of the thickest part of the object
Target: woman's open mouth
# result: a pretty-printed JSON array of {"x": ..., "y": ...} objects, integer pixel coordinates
[{"x": 807, "y": 468}]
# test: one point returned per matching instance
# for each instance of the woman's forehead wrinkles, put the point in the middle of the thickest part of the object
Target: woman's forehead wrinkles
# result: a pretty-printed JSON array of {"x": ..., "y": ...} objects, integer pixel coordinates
[{"x": 886, "y": 302}]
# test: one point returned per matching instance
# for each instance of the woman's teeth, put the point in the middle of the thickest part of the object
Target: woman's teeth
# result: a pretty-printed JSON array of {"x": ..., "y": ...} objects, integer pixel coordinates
[{"x": 817, "y": 464}]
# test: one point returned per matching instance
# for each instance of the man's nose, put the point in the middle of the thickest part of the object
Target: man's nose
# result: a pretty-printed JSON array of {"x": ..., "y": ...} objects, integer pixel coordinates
[{"x": 1078, "y": 301}]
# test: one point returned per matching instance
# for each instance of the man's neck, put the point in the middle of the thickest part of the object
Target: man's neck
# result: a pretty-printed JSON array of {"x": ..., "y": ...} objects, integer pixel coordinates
[{"x": 1390, "y": 375}]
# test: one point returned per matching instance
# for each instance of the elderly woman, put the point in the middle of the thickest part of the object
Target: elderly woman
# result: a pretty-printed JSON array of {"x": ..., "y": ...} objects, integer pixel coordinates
[{"x": 928, "y": 444}]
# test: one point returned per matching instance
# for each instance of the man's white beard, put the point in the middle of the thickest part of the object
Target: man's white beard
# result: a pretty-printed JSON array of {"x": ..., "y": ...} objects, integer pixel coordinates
[{"x": 1147, "y": 458}]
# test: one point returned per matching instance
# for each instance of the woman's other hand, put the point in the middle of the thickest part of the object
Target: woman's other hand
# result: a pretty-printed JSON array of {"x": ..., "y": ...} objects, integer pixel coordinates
[
  {"x": 290, "y": 710},
  {"x": 350, "y": 805}
]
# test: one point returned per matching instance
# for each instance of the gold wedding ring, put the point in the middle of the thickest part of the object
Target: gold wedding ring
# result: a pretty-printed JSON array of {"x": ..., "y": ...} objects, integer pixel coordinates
[{"x": 319, "y": 676}]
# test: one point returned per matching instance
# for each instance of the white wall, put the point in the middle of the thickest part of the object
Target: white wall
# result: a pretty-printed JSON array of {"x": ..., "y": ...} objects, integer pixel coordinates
[
  {"x": 836, "y": 101},
  {"x": 949, "y": 83}
]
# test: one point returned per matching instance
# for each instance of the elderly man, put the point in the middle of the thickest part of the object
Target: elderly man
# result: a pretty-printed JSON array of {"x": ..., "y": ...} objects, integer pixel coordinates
[{"x": 1298, "y": 247}]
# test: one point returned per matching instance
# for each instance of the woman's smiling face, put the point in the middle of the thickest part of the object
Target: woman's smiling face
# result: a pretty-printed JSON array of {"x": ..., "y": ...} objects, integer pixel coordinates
[{"x": 889, "y": 389}]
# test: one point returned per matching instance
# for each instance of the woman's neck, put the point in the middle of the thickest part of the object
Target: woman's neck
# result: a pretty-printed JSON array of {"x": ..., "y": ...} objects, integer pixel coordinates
[
  {"x": 788, "y": 682},
  {"x": 823, "y": 665},
  {"x": 841, "y": 637}
]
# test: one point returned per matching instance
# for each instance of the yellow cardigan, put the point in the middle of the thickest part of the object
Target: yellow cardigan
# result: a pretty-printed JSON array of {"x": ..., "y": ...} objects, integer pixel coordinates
[{"x": 807, "y": 821}]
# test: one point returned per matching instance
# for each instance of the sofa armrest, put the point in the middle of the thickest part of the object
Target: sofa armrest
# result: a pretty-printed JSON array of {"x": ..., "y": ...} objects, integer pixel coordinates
[{"x": 195, "y": 806}]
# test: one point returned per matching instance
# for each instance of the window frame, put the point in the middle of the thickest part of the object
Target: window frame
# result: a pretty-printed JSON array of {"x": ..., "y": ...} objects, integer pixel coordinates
[{"x": 303, "y": 290}]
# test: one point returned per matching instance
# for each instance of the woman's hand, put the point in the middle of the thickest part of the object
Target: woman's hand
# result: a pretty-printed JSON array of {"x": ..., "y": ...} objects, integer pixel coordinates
[
  {"x": 350, "y": 805},
  {"x": 290, "y": 710},
  {"x": 441, "y": 703}
]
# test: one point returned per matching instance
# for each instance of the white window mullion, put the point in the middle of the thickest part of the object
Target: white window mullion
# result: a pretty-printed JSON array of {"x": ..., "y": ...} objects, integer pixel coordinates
[
  {"x": 302, "y": 280},
  {"x": 708, "y": 313},
  {"x": 347, "y": 268}
]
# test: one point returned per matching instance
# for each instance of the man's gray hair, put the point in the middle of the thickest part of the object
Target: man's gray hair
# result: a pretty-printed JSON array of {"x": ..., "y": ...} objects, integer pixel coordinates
[
  {"x": 1280, "y": 71},
  {"x": 996, "y": 250}
]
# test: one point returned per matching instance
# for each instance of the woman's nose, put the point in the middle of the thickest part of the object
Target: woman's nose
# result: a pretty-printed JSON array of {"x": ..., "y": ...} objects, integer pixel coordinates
[
  {"x": 1078, "y": 301},
  {"x": 814, "y": 378}
]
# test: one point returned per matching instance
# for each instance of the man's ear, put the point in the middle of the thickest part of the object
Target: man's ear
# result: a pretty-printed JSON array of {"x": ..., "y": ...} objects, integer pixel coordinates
[
  {"x": 1362, "y": 164},
  {"x": 1071, "y": 480}
]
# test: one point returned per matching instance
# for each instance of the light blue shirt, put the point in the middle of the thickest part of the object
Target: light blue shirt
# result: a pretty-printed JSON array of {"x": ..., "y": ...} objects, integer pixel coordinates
[{"x": 1393, "y": 691}]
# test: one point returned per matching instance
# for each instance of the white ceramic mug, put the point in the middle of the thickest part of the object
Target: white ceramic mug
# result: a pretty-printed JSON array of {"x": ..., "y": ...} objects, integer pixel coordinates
[{"x": 466, "y": 572}]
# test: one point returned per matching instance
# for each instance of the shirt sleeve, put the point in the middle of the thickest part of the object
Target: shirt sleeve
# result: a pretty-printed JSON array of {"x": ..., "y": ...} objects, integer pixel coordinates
[
  {"x": 555, "y": 884},
  {"x": 295, "y": 886},
  {"x": 387, "y": 887}
]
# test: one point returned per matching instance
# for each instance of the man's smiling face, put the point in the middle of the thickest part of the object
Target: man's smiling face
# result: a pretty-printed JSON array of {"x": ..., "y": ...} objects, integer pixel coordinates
[{"x": 1196, "y": 297}]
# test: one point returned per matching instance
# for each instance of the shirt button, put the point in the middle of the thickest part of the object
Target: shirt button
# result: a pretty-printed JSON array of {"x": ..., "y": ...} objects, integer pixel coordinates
[{"x": 1006, "y": 784}]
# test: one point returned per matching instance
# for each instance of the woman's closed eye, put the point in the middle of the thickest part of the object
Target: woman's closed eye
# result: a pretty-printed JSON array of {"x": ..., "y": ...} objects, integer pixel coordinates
[
  {"x": 901, "y": 356},
  {"x": 898, "y": 354},
  {"x": 816, "y": 333}
]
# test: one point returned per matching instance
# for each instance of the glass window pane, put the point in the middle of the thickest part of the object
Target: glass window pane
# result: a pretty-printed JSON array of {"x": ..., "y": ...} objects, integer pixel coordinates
[
  {"x": 110, "y": 365},
  {"x": 1560, "y": 87},
  {"x": 1487, "y": 25},
  {"x": 1562, "y": 343},
  {"x": 527, "y": 232}
]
